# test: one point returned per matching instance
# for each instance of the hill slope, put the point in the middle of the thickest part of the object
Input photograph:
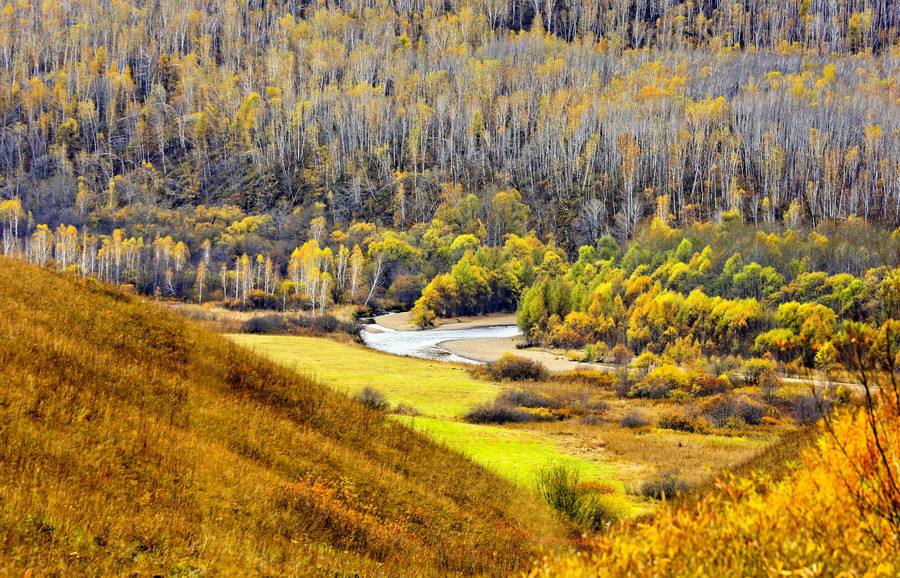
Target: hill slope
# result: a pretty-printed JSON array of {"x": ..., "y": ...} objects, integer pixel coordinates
[{"x": 134, "y": 441}]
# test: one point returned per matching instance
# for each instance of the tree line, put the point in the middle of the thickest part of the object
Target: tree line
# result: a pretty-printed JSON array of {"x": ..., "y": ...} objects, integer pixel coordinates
[{"x": 724, "y": 288}]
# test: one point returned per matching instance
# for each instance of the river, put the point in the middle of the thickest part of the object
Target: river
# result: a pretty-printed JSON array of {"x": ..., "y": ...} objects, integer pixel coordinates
[{"x": 424, "y": 344}]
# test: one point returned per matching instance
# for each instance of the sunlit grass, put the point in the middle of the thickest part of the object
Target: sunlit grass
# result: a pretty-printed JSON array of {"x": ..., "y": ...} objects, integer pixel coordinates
[
  {"x": 514, "y": 453},
  {"x": 432, "y": 387}
]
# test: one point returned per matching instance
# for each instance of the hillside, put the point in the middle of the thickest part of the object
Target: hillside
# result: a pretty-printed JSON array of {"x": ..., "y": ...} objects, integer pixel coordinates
[{"x": 135, "y": 441}]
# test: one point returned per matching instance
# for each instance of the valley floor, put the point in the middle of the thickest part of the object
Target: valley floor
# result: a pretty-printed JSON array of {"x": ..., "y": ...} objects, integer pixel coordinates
[{"x": 442, "y": 392}]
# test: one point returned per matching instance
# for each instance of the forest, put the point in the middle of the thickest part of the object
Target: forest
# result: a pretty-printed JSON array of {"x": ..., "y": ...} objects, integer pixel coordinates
[{"x": 372, "y": 111}]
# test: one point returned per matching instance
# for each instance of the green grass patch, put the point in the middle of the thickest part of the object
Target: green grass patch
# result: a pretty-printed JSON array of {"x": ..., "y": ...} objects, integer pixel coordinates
[
  {"x": 514, "y": 453},
  {"x": 435, "y": 388}
]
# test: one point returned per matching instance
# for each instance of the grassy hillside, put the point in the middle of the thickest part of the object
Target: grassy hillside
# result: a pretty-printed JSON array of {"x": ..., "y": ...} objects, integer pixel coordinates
[{"x": 134, "y": 441}]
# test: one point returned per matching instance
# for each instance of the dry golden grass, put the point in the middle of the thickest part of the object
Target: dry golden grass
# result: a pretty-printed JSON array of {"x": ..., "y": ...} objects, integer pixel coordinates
[{"x": 134, "y": 441}]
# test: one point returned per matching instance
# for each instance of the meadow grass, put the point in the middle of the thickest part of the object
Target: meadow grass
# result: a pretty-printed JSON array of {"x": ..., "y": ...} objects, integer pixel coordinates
[
  {"x": 514, "y": 453},
  {"x": 434, "y": 388}
]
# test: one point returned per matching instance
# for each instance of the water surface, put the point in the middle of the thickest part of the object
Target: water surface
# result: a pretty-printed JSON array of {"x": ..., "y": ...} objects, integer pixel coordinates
[{"x": 424, "y": 344}]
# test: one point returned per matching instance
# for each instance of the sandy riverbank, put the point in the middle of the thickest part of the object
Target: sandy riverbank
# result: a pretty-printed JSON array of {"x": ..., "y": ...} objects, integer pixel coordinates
[
  {"x": 492, "y": 349},
  {"x": 400, "y": 321}
]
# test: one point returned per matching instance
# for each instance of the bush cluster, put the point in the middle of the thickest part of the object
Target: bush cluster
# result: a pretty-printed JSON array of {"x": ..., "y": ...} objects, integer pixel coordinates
[
  {"x": 664, "y": 485},
  {"x": 635, "y": 420},
  {"x": 498, "y": 412},
  {"x": 680, "y": 421},
  {"x": 540, "y": 402},
  {"x": 307, "y": 322},
  {"x": 601, "y": 379},
  {"x": 729, "y": 410},
  {"x": 514, "y": 368},
  {"x": 589, "y": 505}
]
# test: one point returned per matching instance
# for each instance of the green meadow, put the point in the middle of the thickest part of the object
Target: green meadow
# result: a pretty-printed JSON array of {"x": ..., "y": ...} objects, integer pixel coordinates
[
  {"x": 434, "y": 388},
  {"x": 441, "y": 391}
]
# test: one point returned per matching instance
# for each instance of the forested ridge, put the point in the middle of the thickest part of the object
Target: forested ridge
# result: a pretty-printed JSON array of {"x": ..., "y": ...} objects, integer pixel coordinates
[{"x": 589, "y": 110}]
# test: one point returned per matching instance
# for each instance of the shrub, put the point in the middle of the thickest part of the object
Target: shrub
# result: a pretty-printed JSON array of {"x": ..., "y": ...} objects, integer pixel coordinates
[
  {"x": 595, "y": 351},
  {"x": 322, "y": 323},
  {"x": 621, "y": 354},
  {"x": 590, "y": 505},
  {"x": 596, "y": 487},
  {"x": 768, "y": 382},
  {"x": 264, "y": 324},
  {"x": 406, "y": 409},
  {"x": 754, "y": 369},
  {"x": 591, "y": 419},
  {"x": 840, "y": 395},
  {"x": 546, "y": 414},
  {"x": 635, "y": 419},
  {"x": 658, "y": 383},
  {"x": 513, "y": 368},
  {"x": 646, "y": 360},
  {"x": 649, "y": 390},
  {"x": 624, "y": 380},
  {"x": 592, "y": 377},
  {"x": 722, "y": 408},
  {"x": 276, "y": 323},
  {"x": 810, "y": 408},
  {"x": 680, "y": 421},
  {"x": 664, "y": 485},
  {"x": 371, "y": 397},
  {"x": 558, "y": 485},
  {"x": 722, "y": 365},
  {"x": 595, "y": 404},
  {"x": 706, "y": 385},
  {"x": 497, "y": 413},
  {"x": 598, "y": 510},
  {"x": 523, "y": 397}
]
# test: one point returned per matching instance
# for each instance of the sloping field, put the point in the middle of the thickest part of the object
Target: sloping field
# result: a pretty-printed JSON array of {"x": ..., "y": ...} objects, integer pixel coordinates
[{"x": 132, "y": 440}]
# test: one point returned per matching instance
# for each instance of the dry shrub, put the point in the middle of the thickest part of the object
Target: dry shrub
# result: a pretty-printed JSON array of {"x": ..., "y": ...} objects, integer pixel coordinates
[
  {"x": 704, "y": 385},
  {"x": 602, "y": 379},
  {"x": 664, "y": 485},
  {"x": 635, "y": 420},
  {"x": 680, "y": 421},
  {"x": 621, "y": 355},
  {"x": 406, "y": 409},
  {"x": 810, "y": 408},
  {"x": 499, "y": 413},
  {"x": 514, "y": 368},
  {"x": 298, "y": 323},
  {"x": 720, "y": 409},
  {"x": 372, "y": 398}
]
